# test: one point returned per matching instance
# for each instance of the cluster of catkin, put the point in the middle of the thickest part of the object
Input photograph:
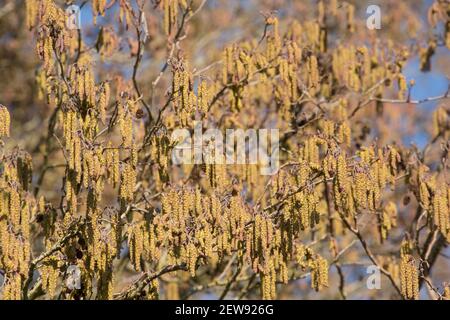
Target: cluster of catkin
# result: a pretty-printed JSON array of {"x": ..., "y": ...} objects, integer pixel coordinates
[
  {"x": 306, "y": 258},
  {"x": 361, "y": 186},
  {"x": 16, "y": 210},
  {"x": 387, "y": 219},
  {"x": 171, "y": 11},
  {"x": 53, "y": 36},
  {"x": 341, "y": 131},
  {"x": 287, "y": 92},
  {"x": 203, "y": 225},
  {"x": 187, "y": 102},
  {"x": 264, "y": 250},
  {"x": 108, "y": 42},
  {"x": 239, "y": 65},
  {"x": 83, "y": 107},
  {"x": 82, "y": 77},
  {"x": 184, "y": 98},
  {"x": 434, "y": 197},
  {"x": 409, "y": 273},
  {"x": 197, "y": 228},
  {"x": 357, "y": 182},
  {"x": 99, "y": 8},
  {"x": 284, "y": 67},
  {"x": 215, "y": 231},
  {"x": 358, "y": 68},
  {"x": 301, "y": 211}
]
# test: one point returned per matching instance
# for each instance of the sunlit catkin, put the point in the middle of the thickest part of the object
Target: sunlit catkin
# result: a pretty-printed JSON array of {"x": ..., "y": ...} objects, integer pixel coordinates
[
  {"x": 313, "y": 74},
  {"x": 32, "y": 7},
  {"x": 203, "y": 97},
  {"x": 319, "y": 273},
  {"x": 342, "y": 173},
  {"x": 441, "y": 121},
  {"x": 394, "y": 160},
  {"x": 441, "y": 210},
  {"x": 402, "y": 87},
  {"x": 126, "y": 126},
  {"x": 112, "y": 164},
  {"x": 388, "y": 219},
  {"x": 5, "y": 121},
  {"x": 350, "y": 17},
  {"x": 136, "y": 245},
  {"x": 127, "y": 182},
  {"x": 98, "y": 6},
  {"x": 447, "y": 292},
  {"x": 344, "y": 134},
  {"x": 49, "y": 276},
  {"x": 268, "y": 282},
  {"x": 409, "y": 277},
  {"x": 170, "y": 8}
]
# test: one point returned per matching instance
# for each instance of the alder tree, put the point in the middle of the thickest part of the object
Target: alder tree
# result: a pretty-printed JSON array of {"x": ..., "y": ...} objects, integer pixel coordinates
[{"x": 93, "y": 205}]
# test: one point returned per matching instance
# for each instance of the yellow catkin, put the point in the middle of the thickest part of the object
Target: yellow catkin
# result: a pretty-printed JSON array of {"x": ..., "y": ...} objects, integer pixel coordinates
[
  {"x": 12, "y": 289},
  {"x": 409, "y": 277},
  {"x": 32, "y": 7},
  {"x": 5, "y": 122},
  {"x": 47, "y": 54},
  {"x": 112, "y": 161},
  {"x": 441, "y": 120},
  {"x": 394, "y": 160},
  {"x": 344, "y": 133},
  {"x": 126, "y": 126},
  {"x": 342, "y": 173},
  {"x": 90, "y": 86},
  {"x": 388, "y": 219},
  {"x": 350, "y": 17},
  {"x": 319, "y": 273},
  {"x": 170, "y": 8},
  {"x": 136, "y": 245},
  {"x": 172, "y": 291},
  {"x": 424, "y": 195},
  {"x": 402, "y": 87},
  {"x": 192, "y": 259},
  {"x": 203, "y": 97},
  {"x": 14, "y": 207},
  {"x": 76, "y": 157},
  {"x": 49, "y": 275},
  {"x": 98, "y": 7},
  {"x": 447, "y": 292},
  {"x": 441, "y": 210},
  {"x": 268, "y": 282},
  {"x": 313, "y": 74},
  {"x": 321, "y": 11},
  {"x": 80, "y": 86},
  {"x": 128, "y": 182}
]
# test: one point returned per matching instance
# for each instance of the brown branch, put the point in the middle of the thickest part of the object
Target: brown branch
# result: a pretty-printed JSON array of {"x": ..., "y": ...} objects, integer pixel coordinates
[
  {"x": 137, "y": 288},
  {"x": 230, "y": 283},
  {"x": 430, "y": 252},
  {"x": 398, "y": 101},
  {"x": 139, "y": 56},
  {"x": 369, "y": 253}
]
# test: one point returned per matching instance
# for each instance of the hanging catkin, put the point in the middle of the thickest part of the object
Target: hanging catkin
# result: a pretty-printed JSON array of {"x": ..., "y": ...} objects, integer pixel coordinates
[
  {"x": 5, "y": 121},
  {"x": 409, "y": 275}
]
